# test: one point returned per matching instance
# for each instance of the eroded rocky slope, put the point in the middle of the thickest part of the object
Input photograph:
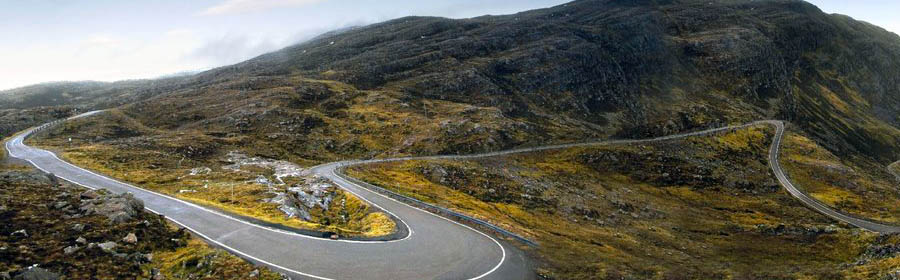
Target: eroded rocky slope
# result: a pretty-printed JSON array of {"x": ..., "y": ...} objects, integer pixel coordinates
[{"x": 53, "y": 230}]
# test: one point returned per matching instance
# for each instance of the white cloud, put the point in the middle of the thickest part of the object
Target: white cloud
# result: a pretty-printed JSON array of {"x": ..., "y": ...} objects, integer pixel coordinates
[
  {"x": 179, "y": 32},
  {"x": 245, "y": 6},
  {"x": 232, "y": 49},
  {"x": 101, "y": 40}
]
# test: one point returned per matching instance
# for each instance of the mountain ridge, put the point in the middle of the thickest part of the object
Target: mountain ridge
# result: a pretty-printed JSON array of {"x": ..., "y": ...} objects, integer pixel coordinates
[{"x": 638, "y": 68}]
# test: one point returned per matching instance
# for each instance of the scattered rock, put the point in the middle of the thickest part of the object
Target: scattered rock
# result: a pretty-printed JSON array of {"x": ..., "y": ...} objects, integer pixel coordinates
[
  {"x": 81, "y": 241},
  {"x": 71, "y": 250},
  {"x": 78, "y": 227},
  {"x": 155, "y": 275},
  {"x": 200, "y": 171},
  {"x": 60, "y": 205},
  {"x": 4, "y": 276},
  {"x": 107, "y": 246},
  {"x": 130, "y": 238},
  {"x": 91, "y": 194},
  {"x": 254, "y": 273},
  {"x": 19, "y": 233}
]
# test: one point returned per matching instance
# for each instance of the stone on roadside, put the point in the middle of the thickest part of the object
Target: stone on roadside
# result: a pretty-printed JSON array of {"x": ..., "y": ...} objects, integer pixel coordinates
[
  {"x": 117, "y": 208},
  {"x": 91, "y": 194}
]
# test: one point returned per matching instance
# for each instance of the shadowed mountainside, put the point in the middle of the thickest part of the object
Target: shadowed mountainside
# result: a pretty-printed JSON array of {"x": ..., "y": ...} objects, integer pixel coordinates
[{"x": 640, "y": 68}]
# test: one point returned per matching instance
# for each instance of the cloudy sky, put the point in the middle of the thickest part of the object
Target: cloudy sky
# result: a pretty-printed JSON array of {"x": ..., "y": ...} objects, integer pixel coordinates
[{"x": 107, "y": 40}]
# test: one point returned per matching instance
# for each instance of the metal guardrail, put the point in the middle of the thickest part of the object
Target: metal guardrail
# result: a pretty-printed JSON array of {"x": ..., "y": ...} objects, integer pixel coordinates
[
  {"x": 42, "y": 128},
  {"x": 436, "y": 209}
]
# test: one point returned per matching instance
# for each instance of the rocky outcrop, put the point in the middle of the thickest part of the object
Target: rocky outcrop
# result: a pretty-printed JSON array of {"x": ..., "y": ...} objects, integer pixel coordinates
[
  {"x": 117, "y": 208},
  {"x": 300, "y": 199}
]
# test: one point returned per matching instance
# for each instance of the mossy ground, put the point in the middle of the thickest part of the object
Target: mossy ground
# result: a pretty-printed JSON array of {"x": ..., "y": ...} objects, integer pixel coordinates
[
  {"x": 162, "y": 162},
  {"x": 197, "y": 260},
  {"x": 853, "y": 185},
  {"x": 698, "y": 208}
]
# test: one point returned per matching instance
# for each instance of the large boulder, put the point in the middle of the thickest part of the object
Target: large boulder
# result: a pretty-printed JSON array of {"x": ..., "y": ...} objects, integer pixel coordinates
[{"x": 118, "y": 208}]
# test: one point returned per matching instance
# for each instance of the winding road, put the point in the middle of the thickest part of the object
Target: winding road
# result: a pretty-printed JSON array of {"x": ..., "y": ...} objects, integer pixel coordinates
[{"x": 434, "y": 248}]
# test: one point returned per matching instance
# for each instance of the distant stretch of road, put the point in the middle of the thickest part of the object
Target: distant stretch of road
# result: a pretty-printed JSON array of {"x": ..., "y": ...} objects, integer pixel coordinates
[
  {"x": 812, "y": 202},
  {"x": 773, "y": 163},
  {"x": 435, "y": 248}
]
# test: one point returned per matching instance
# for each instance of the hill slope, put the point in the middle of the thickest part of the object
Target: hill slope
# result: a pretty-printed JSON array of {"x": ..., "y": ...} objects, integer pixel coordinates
[
  {"x": 583, "y": 70},
  {"x": 579, "y": 71},
  {"x": 631, "y": 67}
]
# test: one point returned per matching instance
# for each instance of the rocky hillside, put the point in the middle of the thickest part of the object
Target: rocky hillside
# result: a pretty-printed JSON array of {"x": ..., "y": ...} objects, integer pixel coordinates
[
  {"x": 83, "y": 94},
  {"x": 580, "y": 70},
  {"x": 14, "y": 120},
  {"x": 54, "y": 230}
]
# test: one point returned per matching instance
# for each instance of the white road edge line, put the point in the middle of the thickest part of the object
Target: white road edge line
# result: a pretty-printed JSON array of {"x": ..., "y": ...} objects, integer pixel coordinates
[
  {"x": 20, "y": 138},
  {"x": 775, "y": 148},
  {"x": 503, "y": 250},
  {"x": 205, "y": 237}
]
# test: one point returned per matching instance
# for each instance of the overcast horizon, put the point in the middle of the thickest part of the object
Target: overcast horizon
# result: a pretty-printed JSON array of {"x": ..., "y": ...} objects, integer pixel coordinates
[{"x": 110, "y": 41}]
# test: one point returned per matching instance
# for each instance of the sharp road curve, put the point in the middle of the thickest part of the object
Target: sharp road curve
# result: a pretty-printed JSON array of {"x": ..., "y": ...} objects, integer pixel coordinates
[{"x": 434, "y": 248}]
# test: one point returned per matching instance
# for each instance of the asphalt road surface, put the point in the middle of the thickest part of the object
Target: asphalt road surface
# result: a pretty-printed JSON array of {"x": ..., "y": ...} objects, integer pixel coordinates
[{"x": 436, "y": 248}]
